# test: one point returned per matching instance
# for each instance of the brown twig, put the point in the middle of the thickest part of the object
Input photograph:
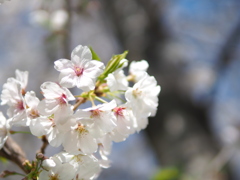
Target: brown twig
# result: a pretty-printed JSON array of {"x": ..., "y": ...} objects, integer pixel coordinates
[
  {"x": 13, "y": 152},
  {"x": 80, "y": 101},
  {"x": 44, "y": 145}
]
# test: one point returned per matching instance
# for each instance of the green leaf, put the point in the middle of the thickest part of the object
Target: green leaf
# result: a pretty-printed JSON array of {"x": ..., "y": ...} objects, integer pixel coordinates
[
  {"x": 113, "y": 65},
  {"x": 167, "y": 174},
  {"x": 94, "y": 54}
]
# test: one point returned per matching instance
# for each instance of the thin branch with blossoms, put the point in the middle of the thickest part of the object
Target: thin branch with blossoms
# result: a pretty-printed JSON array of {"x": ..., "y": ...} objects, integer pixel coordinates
[{"x": 85, "y": 134}]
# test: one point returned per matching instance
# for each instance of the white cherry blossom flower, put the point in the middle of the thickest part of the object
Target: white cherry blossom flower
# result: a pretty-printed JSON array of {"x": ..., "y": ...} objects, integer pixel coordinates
[
  {"x": 117, "y": 80},
  {"x": 86, "y": 166},
  {"x": 144, "y": 95},
  {"x": 32, "y": 103},
  {"x": 81, "y": 71},
  {"x": 138, "y": 68},
  {"x": 11, "y": 92},
  {"x": 56, "y": 98},
  {"x": 57, "y": 170},
  {"x": 125, "y": 123},
  {"x": 46, "y": 126},
  {"x": 143, "y": 99},
  {"x": 79, "y": 139},
  {"x": 4, "y": 130},
  {"x": 52, "y": 127},
  {"x": 12, "y": 96},
  {"x": 101, "y": 118},
  {"x": 14, "y": 87}
]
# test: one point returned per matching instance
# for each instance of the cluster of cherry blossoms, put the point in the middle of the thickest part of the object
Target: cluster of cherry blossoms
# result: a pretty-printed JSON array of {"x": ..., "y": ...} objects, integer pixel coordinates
[{"x": 86, "y": 135}]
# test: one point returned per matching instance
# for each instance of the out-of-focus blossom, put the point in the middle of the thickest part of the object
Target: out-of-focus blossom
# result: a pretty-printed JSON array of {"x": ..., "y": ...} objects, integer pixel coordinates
[{"x": 137, "y": 69}]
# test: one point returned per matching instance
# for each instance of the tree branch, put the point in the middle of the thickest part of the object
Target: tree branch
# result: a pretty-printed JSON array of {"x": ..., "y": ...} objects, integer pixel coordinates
[{"x": 13, "y": 152}]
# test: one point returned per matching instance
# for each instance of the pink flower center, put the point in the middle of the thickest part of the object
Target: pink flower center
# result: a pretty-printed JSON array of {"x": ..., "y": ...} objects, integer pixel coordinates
[
  {"x": 119, "y": 111},
  {"x": 78, "y": 71},
  {"x": 20, "y": 105},
  {"x": 63, "y": 99}
]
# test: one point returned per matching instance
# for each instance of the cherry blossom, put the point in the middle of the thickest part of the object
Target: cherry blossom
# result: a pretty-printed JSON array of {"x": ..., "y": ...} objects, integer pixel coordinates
[
  {"x": 86, "y": 166},
  {"x": 137, "y": 69},
  {"x": 14, "y": 87},
  {"x": 125, "y": 123},
  {"x": 81, "y": 71},
  {"x": 79, "y": 139},
  {"x": 54, "y": 127},
  {"x": 100, "y": 117},
  {"x": 117, "y": 80},
  {"x": 143, "y": 98},
  {"x": 12, "y": 96},
  {"x": 56, "y": 99},
  {"x": 32, "y": 103},
  {"x": 56, "y": 169}
]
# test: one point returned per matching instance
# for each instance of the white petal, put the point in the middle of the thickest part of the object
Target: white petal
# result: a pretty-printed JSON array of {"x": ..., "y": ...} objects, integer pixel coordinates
[
  {"x": 31, "y": 99},
  {"x": 94, "y": 69},
  {"x": 51, "y": 90},
  {"x": 22, "y": 77},
  {"x": 88, "y": 144},
  {"x": 83, "y": 52},
  {"x": 40, "y": 126},
  {"x": 63, "y": 64},
  {"x": 55, "y": 137},
  {"x": 85, "y": 83}
]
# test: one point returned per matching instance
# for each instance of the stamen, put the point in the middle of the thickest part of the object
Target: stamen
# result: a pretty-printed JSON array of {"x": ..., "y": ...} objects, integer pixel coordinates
[
  {"x": 136, "y": 93},
  {"x": 20, "y": 105},
  {"x": 63, "y": 99},
  {"x": 119, "y": 111},
  {"x": 78, "y": 71},
  {"x": 95, "y": 113}
]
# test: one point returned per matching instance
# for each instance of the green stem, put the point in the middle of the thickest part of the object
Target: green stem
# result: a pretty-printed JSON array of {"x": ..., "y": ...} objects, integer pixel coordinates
[
  {"x": 113, "y": 95},
  {"x": 91, "y": 98},
  {"x": 100, "y": 99},
  {"x": 19, "y": 174}
]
